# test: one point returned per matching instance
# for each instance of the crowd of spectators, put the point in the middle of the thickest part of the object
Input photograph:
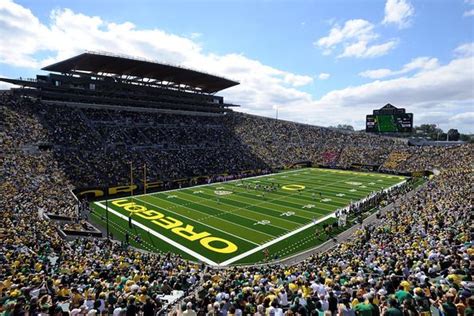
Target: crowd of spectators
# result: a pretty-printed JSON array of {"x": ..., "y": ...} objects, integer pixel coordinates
[
  {"x": 32, "y": 178},
  {"x": 279, "y": 143},
  {"x": 416, "y": 261},
  {"x": 428, "y": 158},
  {"x": 95, "y": 146},
  {"x": 43, "y": 274}
]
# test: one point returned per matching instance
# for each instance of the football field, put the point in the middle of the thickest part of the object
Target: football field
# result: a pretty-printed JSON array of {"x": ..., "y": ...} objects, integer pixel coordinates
[{"x": 235, "y": 222}]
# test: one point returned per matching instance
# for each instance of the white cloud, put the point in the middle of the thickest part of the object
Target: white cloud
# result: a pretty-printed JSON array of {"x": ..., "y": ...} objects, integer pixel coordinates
[
  {"x": 439, "y": 95},
  {"x": 353, "y": 29},
  {"x": 195, "y": 35},
  {"x": 465, "y": 118},
  {"x": 449, "y": 82},
  {"x": 398, "y": 12},
  {"x": 445, "y": 91},
  {"x": 19, "y": 23},
  {"x": 323, "y": 76},
  {"x": 469, "y": 13},
  {"x": 420, "y": 63},
  {"x": 356, "y": 38},
  {"x": 464, "y": 50},
  {"x": 297, "y": 80},
  {"x": 376, "y": 73},
  {"x": 5, "y": 85},
  {"x": 423, "y": 63},
  {"x": 361, "y": 50}
]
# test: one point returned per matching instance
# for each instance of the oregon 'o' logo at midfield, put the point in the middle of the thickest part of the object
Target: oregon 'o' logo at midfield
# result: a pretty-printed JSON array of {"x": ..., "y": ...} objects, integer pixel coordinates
[{"x": 293, "y": 187}]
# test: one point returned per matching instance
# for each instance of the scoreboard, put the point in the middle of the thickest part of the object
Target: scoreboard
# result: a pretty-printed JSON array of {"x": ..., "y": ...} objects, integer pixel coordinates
[
  {"x": 389, "y": 119},
  {"x": 386, "y": 123}
]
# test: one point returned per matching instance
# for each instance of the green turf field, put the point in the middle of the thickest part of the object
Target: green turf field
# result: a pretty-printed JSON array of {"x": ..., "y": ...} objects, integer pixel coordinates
[{"x": 233, "y": 222}]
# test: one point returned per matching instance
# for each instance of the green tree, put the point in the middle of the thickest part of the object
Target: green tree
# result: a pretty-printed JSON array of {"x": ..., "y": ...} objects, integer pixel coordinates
[
  {"x": 453, "y": 134},
  {"x": 345, "y": 127}
]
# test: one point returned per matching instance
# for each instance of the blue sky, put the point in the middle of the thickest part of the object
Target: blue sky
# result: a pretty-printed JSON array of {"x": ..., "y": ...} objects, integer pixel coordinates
[{"x": 319, "y": 62}]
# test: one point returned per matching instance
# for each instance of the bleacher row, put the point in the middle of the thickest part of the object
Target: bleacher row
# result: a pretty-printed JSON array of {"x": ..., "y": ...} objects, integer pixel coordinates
[{"x": 95, "y": 146}]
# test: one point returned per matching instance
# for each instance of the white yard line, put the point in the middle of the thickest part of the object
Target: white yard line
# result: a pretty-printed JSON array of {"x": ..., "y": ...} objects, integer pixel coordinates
[
  {"x": 195, "y": 220},
  {"x": 164, "y": 238},
  {"x": 290, "y": 196},
  {"x": 295, "y": 195},
  {"x": 234, "y": 209},
  {"x": 332, "y": 184},
  {"x": 274, "y": 241},
  {"x": 257, "y": 204},
  {"x": 268, "y": 201}
]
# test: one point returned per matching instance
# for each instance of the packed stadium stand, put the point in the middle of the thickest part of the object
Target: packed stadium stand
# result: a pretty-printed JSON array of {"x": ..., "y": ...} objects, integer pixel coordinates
[{"x": 415, "y": 260}]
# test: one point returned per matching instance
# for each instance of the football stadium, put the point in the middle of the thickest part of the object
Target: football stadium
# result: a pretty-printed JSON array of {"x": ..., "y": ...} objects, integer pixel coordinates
[{"x": 133, "y": 187}]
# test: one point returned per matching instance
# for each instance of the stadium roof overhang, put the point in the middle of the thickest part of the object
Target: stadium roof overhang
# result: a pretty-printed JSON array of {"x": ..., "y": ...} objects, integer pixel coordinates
[{"x": 147, "y": 71}]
